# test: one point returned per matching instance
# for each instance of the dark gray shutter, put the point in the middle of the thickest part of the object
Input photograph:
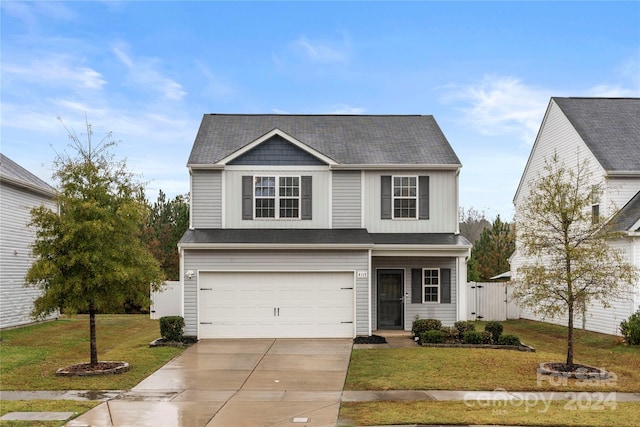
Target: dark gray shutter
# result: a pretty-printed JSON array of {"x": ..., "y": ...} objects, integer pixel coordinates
[
  {"x": 445, "y": 285},
  {"x": 385, "y": 197},
  {"x": 423, "y": 188},
  {"x": 247, "y": 197},
  {"x": 416, "y": 286},
  {"x": 306, "y": 199}
]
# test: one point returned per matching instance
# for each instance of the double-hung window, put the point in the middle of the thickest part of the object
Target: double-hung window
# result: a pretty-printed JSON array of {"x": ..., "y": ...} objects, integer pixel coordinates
[
  {"x": 277, "y": 196},
  {"x": 405, "y": 197},
  {"x": 430, "y": 285}
]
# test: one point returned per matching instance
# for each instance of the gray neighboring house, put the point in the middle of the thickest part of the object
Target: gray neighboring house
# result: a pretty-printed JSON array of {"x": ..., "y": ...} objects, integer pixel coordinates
[
  {"x": 20, "y": 191},
  {"x": 321, "y": 226},
  {"x": 604, "y": 132}
]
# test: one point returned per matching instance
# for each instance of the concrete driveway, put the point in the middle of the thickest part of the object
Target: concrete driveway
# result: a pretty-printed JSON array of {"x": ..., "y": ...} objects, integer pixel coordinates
[{"x": 248, "y": 382}]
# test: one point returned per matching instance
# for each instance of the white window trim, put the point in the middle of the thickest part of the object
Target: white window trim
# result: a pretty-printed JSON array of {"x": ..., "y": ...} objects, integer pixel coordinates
[
  {"x": 393, "y": 197},
  {"x": 277, "y": 198},
  {"x": 432, "y": 286}
]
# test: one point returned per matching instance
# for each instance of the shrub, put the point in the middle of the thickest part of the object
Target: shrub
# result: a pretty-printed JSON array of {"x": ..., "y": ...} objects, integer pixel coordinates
[
  {"x": 423, "y": 325},
  {"x": 171, "y": 328},
  {"x": 464, "y": 326},
  {"x": 472, "y": 337},
  {"x": 495, "y": 329},
  {"x": 450, "y": 334},
  {"x": 486, "y": 337},
  {"x": 433, "y": 337},
  {"x": 630, "y": 329},
  {"x": 509, "y": 340}
]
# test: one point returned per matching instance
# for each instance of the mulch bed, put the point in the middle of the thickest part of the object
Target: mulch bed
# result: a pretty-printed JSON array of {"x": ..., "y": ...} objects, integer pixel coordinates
[
  {"x": 101, "y": 368},
  {"x": 371, "y": 339},
  {"x": 577, "y": 371}
]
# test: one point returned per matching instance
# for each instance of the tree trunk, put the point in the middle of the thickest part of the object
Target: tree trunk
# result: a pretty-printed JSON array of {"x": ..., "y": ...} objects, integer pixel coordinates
[
  {"x": 92, "y": 335},
  {"x": 570, "y": 336}
]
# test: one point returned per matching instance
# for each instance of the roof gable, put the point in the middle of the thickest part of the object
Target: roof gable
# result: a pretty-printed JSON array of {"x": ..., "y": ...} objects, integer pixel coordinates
[
  {"x": 13, "y": 173},
  {"x": 341, "y": 139},
  {"x": 610, "y": 127},
  {"x": 276, "y": 148}
]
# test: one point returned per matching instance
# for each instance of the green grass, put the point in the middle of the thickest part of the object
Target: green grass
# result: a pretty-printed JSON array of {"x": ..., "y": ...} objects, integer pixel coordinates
[
  {"x": 556, "y": 414},
  {"x": 424, "y": 368},
  {"x": 42, "y": 406},
  {"x": 30, "y": 356}
]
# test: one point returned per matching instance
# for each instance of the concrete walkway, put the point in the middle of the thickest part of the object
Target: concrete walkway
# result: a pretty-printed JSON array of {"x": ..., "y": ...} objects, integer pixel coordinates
[{"x": 283, "y": 382}]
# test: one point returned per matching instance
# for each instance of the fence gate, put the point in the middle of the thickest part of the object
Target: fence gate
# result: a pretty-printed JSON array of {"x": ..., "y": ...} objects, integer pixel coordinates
[{"x": 490, "y": 301}]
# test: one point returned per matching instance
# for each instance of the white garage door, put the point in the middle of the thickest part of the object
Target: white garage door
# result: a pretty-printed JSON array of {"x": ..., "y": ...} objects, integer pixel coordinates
[{"x": 275, "y": 305}]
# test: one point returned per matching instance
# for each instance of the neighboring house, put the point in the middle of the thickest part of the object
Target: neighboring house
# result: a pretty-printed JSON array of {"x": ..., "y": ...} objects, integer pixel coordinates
[
  {"x": 321, "y": 226},
  {"x": 20, "y": 191},
  {"x": 605, "y": 132}
]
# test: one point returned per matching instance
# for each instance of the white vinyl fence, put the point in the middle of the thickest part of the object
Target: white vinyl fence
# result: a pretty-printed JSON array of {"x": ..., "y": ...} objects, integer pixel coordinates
[
  {"x": 167, "y": 302},
  {"x": 490, "y": 301}
]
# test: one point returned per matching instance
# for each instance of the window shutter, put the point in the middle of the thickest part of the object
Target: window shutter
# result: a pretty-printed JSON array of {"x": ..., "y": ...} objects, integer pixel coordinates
[
  {"x": 423, "y": 184},
  {"x": 306, "y": 199},
  {"x": 445, "y": 285},
  {"x": 247, "y": 197},
  {"x": 416, "y": 286},
  {"x": 385, "y": 197}
]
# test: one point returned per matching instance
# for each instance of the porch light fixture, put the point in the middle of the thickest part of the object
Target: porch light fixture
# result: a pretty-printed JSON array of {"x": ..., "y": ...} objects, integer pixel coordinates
[{"x": 189, "y": 274}]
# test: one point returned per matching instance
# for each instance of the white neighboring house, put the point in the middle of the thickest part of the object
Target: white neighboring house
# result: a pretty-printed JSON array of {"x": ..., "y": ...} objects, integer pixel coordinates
[
  {"x": 604, "y": 132},
  {"x": 20, "y": 191}
]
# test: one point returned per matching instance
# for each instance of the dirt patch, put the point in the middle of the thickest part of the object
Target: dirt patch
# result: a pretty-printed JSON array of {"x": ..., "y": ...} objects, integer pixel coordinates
[{"x": 101, "y": 368}]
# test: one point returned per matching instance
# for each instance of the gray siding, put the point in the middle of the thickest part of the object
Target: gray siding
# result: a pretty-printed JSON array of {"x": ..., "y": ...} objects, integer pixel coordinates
[
  {"x": 443, "y": 204},
  {"x": 444, "y": 312},
  {"x": 274, "y": 260},
  {"x": 16, "y": 301},
  {"x": 206, "y": 199},
  {"x": 320, "y": 182},
  {"x": 346, "y": 199}
]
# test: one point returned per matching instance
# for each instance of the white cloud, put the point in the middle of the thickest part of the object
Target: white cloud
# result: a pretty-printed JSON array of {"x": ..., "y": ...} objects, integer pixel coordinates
[
  {"x": 616, "y": 91},
  {"x": 323, "y": 51},
  {"x": 345, "y": 109},
  {"x": 144, "y": 73},
  {"x": 56, "y": 70},
  {"x": 500, "y": 105}
]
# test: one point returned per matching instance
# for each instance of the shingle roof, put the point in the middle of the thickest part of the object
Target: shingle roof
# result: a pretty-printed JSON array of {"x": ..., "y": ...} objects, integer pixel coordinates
[
  {"x": 420, "y": 239},
  {"x": 260, "y": 236},
  {"x": 610, "y": 127},
  {"x": 355, "y": 236},
  {"x": 12, "y": 172},
  {"x": 627, "y": 216},
  {"x": 346, "y": 139}
]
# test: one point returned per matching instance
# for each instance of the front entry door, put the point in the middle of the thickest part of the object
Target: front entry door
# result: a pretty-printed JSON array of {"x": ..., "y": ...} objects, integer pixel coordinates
[{"x": 390, "y": 299}]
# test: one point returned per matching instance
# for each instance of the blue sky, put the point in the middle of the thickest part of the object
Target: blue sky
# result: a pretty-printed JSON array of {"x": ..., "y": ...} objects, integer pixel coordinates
[{"x": 148, "y": 71}]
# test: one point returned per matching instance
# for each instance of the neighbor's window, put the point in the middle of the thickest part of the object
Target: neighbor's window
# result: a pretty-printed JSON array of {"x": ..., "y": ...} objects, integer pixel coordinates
[
  {"x": 405, "y": 196},
  {"x": 277, "y": 201},
  {"x": 430, "y": 285},
  {"x": 595, "y": 204}
]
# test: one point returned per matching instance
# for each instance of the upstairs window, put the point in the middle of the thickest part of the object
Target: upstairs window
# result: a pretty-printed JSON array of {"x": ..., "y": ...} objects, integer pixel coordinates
[
  {"x": 277, "y": 197},
  {"x": 405, "y": 196}
]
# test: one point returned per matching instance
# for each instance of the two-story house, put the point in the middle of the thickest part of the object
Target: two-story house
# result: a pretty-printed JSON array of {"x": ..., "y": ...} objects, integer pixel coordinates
[
  {"x": 604, "y": 133},
  {"x": 321, "y": 226}
]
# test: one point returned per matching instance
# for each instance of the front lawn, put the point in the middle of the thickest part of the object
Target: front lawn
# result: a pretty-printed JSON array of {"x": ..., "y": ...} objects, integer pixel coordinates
[
  {"x": 425, "y": 368},
  {"x": 31, "y": 355},
  {"x": 42, "y": 406}
]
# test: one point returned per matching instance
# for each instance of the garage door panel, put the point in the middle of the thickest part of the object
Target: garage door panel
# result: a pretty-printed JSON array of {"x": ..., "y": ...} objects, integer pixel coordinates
[{"x": 275, "y": 304}]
